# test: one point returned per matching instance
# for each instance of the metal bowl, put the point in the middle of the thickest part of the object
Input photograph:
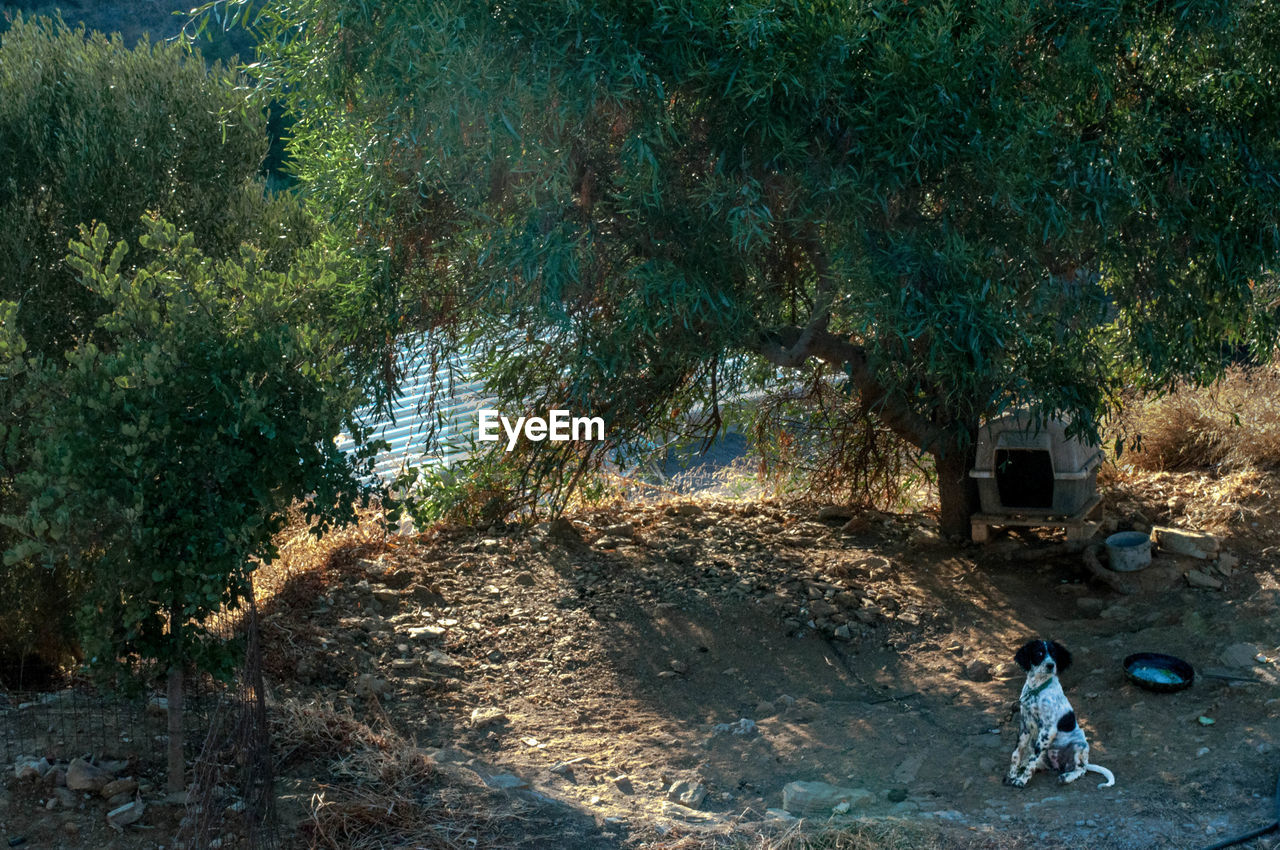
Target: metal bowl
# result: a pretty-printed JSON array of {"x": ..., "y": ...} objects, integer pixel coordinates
[{"x": 1160, "y": 673}]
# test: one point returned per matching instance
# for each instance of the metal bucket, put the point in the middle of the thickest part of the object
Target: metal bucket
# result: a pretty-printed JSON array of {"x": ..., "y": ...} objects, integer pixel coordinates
[{"x": 1129, "y": 551}]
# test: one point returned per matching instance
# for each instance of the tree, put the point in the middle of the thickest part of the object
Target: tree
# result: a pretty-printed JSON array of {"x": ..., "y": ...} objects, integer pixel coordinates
[
  {"x": 166, "y": 451},
  {"x": 92, "y": 131},
  {"x": 961, "y": 207}
]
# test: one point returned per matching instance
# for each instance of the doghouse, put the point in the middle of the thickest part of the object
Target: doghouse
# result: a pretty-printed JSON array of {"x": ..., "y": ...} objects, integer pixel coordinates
[{"x": 1029, "y": 475}]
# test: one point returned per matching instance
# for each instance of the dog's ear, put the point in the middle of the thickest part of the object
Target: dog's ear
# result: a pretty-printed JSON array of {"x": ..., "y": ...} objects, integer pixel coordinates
[
  {"x": 1023, "y": 658},
  {"x": 1060, "y": 655}
]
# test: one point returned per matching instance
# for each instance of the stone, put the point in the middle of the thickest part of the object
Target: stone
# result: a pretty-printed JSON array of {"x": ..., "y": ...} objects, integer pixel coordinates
[
  {"x": 687, "y": 792},
  {"x": 834, "y": 512},
  {"x": 525, "y": 579},
  {"x": 978, "y": 671},
  {"x": 623, "y": 784},
  {"x": 684, "y": 813},
  {"x": 802, "y": 797},
  {"x": 426, "y": 632},
  {"x": 688, "y": 509},
  {"x": 1196, "y": 578},
  {"x": 124, "y": 815},
  {"x": 896, "y": 795},
  {"x": 66, "y": 797},
  {"x": 1227, "y": 563},
  {"x": 1180, "y": 541},
  {"x": 506, "y": 782},
  {"x": 1090, "y": 606},
  {"x": 30, "y": 767},
  {"x": 623, "y": 530},
  {"x": 907, "y": 770},
  {"x": 442, "y": 662},
  {"x": 1240, "y": 655},
  {"x": 369, "y": 685},
  {"x": 82, "y": 776},
  {"x": 119, "y": 786},
  {"x": 484, "y": 717},
  {"x": 822, "y": 608},
  {"x": 680, "y": 667},
  {"x": 842, "y": 632}
]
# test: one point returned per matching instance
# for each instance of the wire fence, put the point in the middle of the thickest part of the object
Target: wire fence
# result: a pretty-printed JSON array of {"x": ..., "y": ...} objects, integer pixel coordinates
[{"x": 230, "y": 798}]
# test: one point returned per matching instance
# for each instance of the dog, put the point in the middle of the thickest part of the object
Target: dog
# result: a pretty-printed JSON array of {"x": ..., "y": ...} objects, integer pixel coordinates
[{"x": 1050, "y": 737}]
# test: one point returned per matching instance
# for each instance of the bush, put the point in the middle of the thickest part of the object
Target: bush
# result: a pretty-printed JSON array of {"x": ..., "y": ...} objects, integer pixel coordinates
[
  {"x": 92, "y": 131},
  {"x": 165, "y": 453}
]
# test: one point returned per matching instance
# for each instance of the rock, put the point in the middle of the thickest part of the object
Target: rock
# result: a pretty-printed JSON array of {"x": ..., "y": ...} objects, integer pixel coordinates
[
  {"x": 30, "y": 767},
  {"x": 1007, "y": 670},
  {"x": 687, "y": 509},
  {"x": 1227, "y": 563},
  {"x": 369, "y": 685},
  {"x": 978, "y": 671},
  {"x": 525, "y": 579},
  {"x": 834, "y": 512},
  {"x": 442, "y": 662},
  {"x": 506, "y": 782},
  {"x": 684, "y": 813},
  {"x": 82, "y": 776},
  {"x": 623, "y": 530},
  {"x": 687, "y": 792},
  {"x": 822, "y": 608},
  {"x": 124, "y": 815},
  {"x": 426, "y": 632},
  {"x": 483, "y": 718},
  {"x": 1196, "y": 578},
  {"x": 429, "y": 596},
  {"x": 66, "y": 797},
  {"x": 744, "y": 727},
  {"x": 1090, "y": 606},
  {"x": 1116, "y": 612},
  {"x": 802, "y": 798},
  {"x": 565, "y": 768},
  {"x": 1197, "y": 544},
  {"x": 623, "y": 784},
  {"x": 842, "y": 632},
  {"x": 1240, "y": 655},
  {"x": 119, "y": 786},
  {"x": 907, "y": 770},
  {"x": 896, "y": 795},
  {"x": 679, "y": 666}
]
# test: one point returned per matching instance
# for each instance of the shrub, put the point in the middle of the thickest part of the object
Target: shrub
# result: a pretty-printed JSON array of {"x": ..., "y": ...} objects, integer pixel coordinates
[{"x": 166, "y": 452}]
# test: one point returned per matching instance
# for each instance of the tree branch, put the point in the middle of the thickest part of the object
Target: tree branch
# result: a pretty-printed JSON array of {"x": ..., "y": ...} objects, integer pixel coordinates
[{"x": 790, "y": 347}]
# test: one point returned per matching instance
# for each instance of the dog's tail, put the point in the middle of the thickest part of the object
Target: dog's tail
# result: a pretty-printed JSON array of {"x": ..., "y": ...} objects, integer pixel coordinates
[{"x": 1097, "y": 768}]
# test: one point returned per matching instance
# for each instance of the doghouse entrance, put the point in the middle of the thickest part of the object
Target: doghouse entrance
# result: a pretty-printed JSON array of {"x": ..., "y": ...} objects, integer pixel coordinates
[{"x": 1024, "y": 478}]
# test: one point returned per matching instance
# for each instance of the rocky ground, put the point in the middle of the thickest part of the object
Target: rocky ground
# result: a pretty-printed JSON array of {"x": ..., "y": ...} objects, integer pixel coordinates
[{"x": 642, "y": 673}]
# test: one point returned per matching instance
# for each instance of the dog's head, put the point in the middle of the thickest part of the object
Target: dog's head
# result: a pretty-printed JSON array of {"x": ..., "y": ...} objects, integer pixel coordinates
[{"x": 1043, "y": 658}]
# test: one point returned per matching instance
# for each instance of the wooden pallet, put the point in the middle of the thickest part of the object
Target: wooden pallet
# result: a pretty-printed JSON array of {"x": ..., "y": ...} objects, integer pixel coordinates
[{"x": 1080, "y": 525}]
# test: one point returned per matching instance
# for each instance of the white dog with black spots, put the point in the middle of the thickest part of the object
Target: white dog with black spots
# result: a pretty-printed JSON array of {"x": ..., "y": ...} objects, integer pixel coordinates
[{"x": 1050, "y": 737}]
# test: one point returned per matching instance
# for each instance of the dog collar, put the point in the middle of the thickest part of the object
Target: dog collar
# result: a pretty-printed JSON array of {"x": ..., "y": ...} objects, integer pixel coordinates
[{"x": 1039, "y": 688}]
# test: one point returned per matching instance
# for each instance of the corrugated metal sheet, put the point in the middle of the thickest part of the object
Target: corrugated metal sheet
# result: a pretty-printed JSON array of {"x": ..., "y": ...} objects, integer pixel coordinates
[{"x": 418, "y": 433}]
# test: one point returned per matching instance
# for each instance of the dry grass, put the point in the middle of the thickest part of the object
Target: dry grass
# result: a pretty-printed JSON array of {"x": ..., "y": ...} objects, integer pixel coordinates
[
  {"x": 1228, "y": 427},
  {"x": 383, "y": 791},
  {"x": 1209, "y": 457},
  {"x": 869, "y": 834},
  {"x": 301, "y": 553}
]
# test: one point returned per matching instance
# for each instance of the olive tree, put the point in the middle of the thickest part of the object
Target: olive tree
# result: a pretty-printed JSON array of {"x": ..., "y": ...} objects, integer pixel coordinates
[{"x": 962, "y": 208}]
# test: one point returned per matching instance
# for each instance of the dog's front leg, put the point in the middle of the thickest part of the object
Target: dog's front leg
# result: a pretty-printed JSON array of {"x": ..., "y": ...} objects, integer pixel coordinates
[{"x": 1022, "y": 764}]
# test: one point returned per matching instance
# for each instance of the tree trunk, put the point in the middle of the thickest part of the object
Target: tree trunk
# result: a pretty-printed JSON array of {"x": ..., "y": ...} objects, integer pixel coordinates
[
  {"x": 177, "y": 761},
  {"x": 957, "y": 492}
]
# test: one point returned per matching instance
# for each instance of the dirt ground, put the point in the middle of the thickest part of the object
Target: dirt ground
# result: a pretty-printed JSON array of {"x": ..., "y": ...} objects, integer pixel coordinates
[
  {"x": 641, "y": 673},
  {"x": 603, "y": 661}
]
